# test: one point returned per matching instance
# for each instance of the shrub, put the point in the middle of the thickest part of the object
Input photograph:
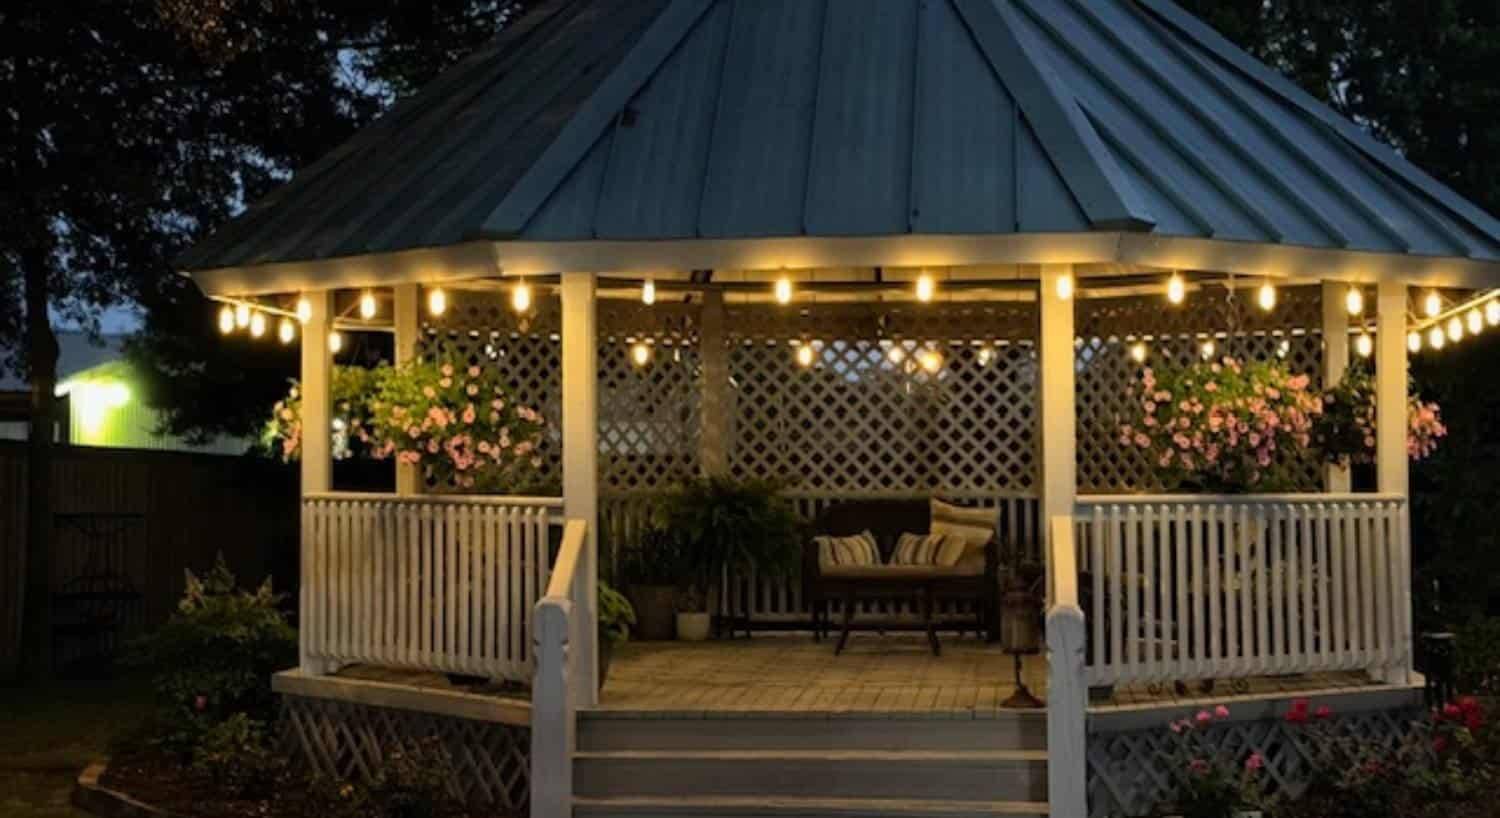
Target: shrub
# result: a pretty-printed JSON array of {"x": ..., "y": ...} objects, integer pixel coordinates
[
  {"x": 616, "y": 616},
  {"x": 1207, "y": 787},
  {"x": 236, "y": 756},
  {"x": 740, "y": 525},
  {"x": 411, "y": 783},
  {"x": 1477, "y": 657}
]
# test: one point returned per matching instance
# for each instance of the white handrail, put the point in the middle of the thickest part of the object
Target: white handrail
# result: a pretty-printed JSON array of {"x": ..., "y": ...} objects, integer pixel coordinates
[
  {"x": 1067, "y": 738},
  {"x": 554, "y": 691},
  {"x": 1236, "y": 499},
  {"x": 437, "y": 499}
]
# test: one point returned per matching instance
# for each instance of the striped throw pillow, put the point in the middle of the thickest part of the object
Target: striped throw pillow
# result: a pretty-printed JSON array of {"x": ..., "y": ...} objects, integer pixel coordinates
[
  {"x": 976, "y": 525},
  {"x": 860, "y": 549},
  {"x": 929, "y": 549}
]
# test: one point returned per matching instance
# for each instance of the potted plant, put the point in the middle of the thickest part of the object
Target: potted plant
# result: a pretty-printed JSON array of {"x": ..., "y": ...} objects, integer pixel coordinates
[
  {"x": 1345, "y": 431},
  {"x": 616, "y": 617},
  {"x": 720, "y": 525},
  {"x": 651, "y": 570}
]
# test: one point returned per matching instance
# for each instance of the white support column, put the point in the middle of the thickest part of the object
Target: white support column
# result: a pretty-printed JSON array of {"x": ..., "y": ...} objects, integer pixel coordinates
[
  {"x": 1335, "y": 361},
  {"x": 580, "y": 449},
  {"x": 317, "y": 443},
  {"x": 718, "y": 407},
  {"x": 1390, "y": 449},
  {"x": 408, "y": 327},
  {"x": 1057, "y": 417}
]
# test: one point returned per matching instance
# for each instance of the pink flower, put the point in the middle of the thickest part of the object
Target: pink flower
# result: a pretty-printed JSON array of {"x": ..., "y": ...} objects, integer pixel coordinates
[
  {"x": 473, "y": 371},
  {"x": 1255, "y": 762},
  {"x": 1221, "y": 712},
  {"x": 469, "y": 414},
  {"x": 200, "y": 703},
  {"x": 472, "y": 390},
  {"x": 1204, "y": 717},
  {"x": 445, "y": 383},
  {"x": 429, "y": 392},
  {"x": 432, "y": 446},
  {"x": 1323, "y": 713},
  {"x": 447, "y": 370},
  {"x": 1198, "y": 766}
]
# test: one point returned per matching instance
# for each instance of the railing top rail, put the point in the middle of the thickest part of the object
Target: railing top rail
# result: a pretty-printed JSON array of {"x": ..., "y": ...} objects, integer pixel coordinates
[
  {"x": 1235, "y": 499},
  {"x": 867, "y": 494},
  {"x": 436, "y": 499},
  {"x": 568, "y": 557}
]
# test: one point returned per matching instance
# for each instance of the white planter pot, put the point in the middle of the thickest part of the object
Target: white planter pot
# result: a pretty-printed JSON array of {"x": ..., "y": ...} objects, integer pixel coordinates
[{"x": 693, "y": 627}]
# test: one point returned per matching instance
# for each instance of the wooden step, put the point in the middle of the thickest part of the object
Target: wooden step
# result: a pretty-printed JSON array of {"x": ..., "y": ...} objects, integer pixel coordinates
[
  {"x": 762, "y": 807},
  {"x": 973, "y": 775},
  {"x": 602, "y": 731}
]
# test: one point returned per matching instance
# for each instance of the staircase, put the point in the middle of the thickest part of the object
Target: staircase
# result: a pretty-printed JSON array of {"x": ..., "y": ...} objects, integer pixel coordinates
[{"x": 639, "y": 765}]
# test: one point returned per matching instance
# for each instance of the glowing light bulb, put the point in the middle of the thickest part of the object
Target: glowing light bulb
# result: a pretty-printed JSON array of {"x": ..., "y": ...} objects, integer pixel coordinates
[
  {"x": 226, "y": 319},
  {"x": 257, "y": 325},
  {"x": 1267, "y": 297},
  {"x": 896, "y": 354},
  {"x": 520, "y": 297},
  {"x": 1414, "y": 341},
  {"x": 1432, "y": 304},
  {"x": 783, "y": 290},
  {"x": 926, "y": 287},
  {"x": 335, "y": 342},
  {"x": 242, "y": 315},
  {"x": 286, "y": 331},
  {"x": 1364, "y": 345},
  {"x": 367, "y": 305},
  {"x": 640, "y": 353},
  {"x": 648, "y": 292},
  {"x": 930, "y": 360},
  {"x": 986, "y": 354},
  {"x": 1455, "y": 329},
  {"x": 304, "y": 309},
  {"x": 437, "y": 301},
  {"x": 805, "y": 354},
  {"x": 1208, "y": 349},
  {"x": 1065, "y": 287},
  {"x": 1354, "y": 301},
  {"x": 1138, "y": 352},
  {"x": 1492, "y": 312},
  {"x": 1176, "y": 289},
  {"x": 1475, "y": 320},
  {"x": 1435, "y": 338}
]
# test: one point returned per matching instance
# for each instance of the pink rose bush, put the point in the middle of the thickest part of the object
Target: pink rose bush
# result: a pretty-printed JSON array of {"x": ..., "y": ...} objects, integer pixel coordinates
[
  {"x": 1222, "y": 425},
  {"x": 458, "y": 423},
  {"x": 1346, "y": 431},
  {"x": 1208, "y": 781}
]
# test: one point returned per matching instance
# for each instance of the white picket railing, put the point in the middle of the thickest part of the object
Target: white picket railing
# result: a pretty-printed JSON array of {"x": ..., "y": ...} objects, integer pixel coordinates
[
  {"x": 431, "y": 582},
  {"x": 1199, "y": 587},
  {"x": 565, "y": 620}
]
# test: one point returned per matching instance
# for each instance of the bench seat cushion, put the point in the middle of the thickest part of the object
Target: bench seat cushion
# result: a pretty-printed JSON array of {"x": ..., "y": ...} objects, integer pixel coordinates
[{"x": 895, "y": 573}]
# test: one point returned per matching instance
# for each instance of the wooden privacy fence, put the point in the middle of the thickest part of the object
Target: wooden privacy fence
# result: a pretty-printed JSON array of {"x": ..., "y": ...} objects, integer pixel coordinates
[
  {"x": 437, "y": 583},
  {"x": 1189, "y": 587},
  {"x": 186, "y": 508}
]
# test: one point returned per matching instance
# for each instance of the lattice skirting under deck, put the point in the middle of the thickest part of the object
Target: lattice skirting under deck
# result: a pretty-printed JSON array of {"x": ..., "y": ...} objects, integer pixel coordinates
[
  {"x": 489, "y": 762},
  {"x": 1130, "y": 772}
]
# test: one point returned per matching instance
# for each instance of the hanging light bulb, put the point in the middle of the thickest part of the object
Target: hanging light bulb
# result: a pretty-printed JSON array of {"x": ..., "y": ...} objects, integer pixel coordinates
[
  {"x": 926, "y": 288},
  {"x": 1432, "y": 304},
  {"x": 1176, "y": 289},
  {"x": 257, "y": 325},
  {"x": 1354, "y": 300},
  {"x": 1064, "y": 287},
  {"x": 335, "y": 342},
  {"x": 437, "y": 301},
  {"x": 1475, "y": 320},
  {"x": 1208, "y": 349},
  {"x": 1364, "y": 345},
  {"x": 805, "y": 354},
  {"x": 304, "y": 309},
  {"x": 640, "y": 353},
  {"x": 930, "y": 360},
  {"x": 896, "y": 354},
  {"x": 520, "y": 296},
  {"x": 1414, "y": 341},
  {"x": 648, "y": 292},
  {"x": 986, "y": 354},
  {"x": 286, "y": 331},
  {"x": 1138, "y": 352},
  {"x": 1492, "y": 312},
  {"x": 1267, "y": 297},
  {"x": 1435, "y": 338},
  {"x": 1455, "y": 329},
  {"x": 368, "y": 306},
  {"x": 242, "y": 315},
  {"x": 226, "y": 319},
  {"x": 783, "y": 290}
]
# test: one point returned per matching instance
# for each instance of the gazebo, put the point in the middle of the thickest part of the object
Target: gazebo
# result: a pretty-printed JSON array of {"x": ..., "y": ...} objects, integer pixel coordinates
[{"x": 902, "y": 249}]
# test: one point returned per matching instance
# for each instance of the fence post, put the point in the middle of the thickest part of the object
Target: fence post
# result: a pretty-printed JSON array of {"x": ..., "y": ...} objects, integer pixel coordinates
[
  {"x": 552, "y": 722},
  {"x": 1067, "y": 699}
]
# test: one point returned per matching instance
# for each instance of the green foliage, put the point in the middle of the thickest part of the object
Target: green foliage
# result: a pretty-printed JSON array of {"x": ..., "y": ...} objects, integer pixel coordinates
[
  {"x": 214, "y": 658},
  {"x": 411, "y": 783},
  {"x": 237, "y": 756},
  {"x": 1477, "y": 659},
  {"x": 655, "y": 560},
  {"x": 740, "y": 525},
  {"x": 616, "y": 615},
  {"x": 1207, "y": 784}
]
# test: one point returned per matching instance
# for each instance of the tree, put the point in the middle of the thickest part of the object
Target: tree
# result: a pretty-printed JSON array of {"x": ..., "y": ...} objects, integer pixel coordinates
[{"x": 134, "y": 126}]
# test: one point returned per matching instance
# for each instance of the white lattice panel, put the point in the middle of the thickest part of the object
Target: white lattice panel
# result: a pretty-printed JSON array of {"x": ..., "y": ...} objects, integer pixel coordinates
[
  {"x": 1133, "y": 772},
  {"x": 488, "y": 762}
]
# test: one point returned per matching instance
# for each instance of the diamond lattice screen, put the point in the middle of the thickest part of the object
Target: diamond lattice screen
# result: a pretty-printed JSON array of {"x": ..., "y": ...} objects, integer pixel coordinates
[{"x": 1107, "y": 376}]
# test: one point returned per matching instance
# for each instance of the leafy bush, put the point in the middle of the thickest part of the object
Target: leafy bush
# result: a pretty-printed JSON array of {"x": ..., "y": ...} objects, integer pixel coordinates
[
  {"x": 1206, "y": 786},
  {"x": 411, "y": 783},
  {"x": 1477, "y": 657},
  {"x": 616, "y": 616},
  {"x": 655, "y": 560},
  {"x": 214, "y": 658},
  {"x": 237, "y": 756},
  {"x": 741, "y": 525}
]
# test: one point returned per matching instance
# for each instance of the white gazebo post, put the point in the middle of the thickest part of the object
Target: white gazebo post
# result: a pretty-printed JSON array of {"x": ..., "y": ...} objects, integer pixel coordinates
[
  {"x": 1067, "y": 738},
  {"x": 317, "y": 445},
  {"x": 408, "y": 327},
  {"x": 1391, "y": 456},
  {"x": 1335, "y": 361},
  {"x": 580, "y": 451}
]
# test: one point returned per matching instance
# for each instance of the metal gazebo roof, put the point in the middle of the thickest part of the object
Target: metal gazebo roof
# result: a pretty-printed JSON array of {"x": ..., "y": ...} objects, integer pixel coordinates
[{"x": 700, "y": 120}]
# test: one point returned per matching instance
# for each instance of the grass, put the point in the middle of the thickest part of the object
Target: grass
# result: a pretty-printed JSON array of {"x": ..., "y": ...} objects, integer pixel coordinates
[{"x": 49, "y": 733}]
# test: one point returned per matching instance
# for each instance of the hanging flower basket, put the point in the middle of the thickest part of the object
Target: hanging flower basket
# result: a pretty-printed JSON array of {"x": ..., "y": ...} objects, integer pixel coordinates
[{"x": 1345, "y": 432}]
